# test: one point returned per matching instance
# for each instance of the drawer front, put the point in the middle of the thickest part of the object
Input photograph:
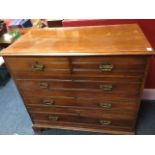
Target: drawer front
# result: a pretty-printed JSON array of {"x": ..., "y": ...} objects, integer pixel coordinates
[
  {"x": 93, "y": 113},
  {"x": 48, "y": 67},
  {"x": 34, "y": 67},
  {"x": 83, "y": 85},
  {"x": 87, "y": 103},
  {"x": 80, "y": 93},
  {"x": 109, "y": 65},
  {"x": 55, "y": 119}
]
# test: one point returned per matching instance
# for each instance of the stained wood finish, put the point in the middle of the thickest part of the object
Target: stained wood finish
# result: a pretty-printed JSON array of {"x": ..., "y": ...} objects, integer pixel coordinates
[
  {"x": 92, "y": 113},
  {"x": 62, "y": 119},
  {"x": 79, "y": 66},
  {"x": 83, "y": 103},
  {"x": 87, "y": 78},
  {"x": 76, "y": 73},
  {"x": 84, "y": 94},
  {"x": 89, "y": 86},
  {"x": 92, "y": 40}
]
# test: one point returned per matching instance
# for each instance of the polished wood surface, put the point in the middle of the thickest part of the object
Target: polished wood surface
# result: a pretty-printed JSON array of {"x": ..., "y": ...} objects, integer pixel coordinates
[
  {"x": 88, "y": 79},
  {"x": 123, "y": 123},
  {"x": 92, "y": 86},
  {"x": 92, "y": 113},
  {"x": 92, "y": 40},
  {"x": 76, "y": 66},
  {"x": 84, "y": 103}
]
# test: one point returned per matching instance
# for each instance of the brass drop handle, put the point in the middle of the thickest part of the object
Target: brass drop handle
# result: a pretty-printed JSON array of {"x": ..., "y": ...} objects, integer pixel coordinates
[
  {"x": 106, "y": 67},
  {"x": 106, "y": 87},
  {"x": 105, "y": 106},
  {"x": 48, "y": 102},
  {"x": 105, "y": 122},
  {"x": 37, "y": 66},
  {"x": 43, "y": 85},
  {"x": 53, "y": 118}
]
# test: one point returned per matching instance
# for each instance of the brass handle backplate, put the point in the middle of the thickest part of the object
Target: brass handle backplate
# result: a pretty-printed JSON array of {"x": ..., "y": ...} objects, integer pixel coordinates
[
  {"x": 106, "y": 67},
  {"x": 37, "y": 66},
  {"x": 43, "y": 85},
  {"x": 53, "y": 118},
  {"x": 106, "y": 87},
  {"x": 105, "y": 122},
  {"x": 48, "y": 102},
  {"x": 105, "y": 106}
]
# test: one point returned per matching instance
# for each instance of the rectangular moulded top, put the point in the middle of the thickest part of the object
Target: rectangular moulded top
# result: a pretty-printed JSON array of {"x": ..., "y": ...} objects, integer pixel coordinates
[{"x": 125, "y": 39}]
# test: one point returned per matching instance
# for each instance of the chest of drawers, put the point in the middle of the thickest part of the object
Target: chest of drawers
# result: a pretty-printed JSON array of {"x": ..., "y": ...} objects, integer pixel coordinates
[{"x": 87, "y": 78}]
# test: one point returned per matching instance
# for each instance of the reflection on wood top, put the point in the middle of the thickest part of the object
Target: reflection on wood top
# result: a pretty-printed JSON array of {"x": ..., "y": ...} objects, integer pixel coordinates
[{"x": 89, "y": 40}]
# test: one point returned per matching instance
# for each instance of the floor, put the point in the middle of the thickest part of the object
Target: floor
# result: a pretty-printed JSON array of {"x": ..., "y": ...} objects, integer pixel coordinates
[{"x": 14, "y": 118}]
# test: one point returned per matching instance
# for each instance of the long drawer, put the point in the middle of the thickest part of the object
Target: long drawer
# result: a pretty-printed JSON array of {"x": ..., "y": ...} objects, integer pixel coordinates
[
  {"x": 87, "y": 103},
  {"x": 83, "y": 85},
  {"x": 92, "y": 66},
  {"x": 53, "y": 119},
  {"x": 93, "y": 113},
  {"x": 80, "y": 93}
]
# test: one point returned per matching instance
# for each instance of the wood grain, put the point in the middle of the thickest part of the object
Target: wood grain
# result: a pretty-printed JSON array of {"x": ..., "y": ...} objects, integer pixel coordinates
[
  {"x": 92, "y": 40},
  {"x": 92, "y": 113},
  {"x": 86, "y": 86},
  {"x": 21, "y": 67},
  {"x": 63, "y": 119},
  {"x": 83, "y": 103}
]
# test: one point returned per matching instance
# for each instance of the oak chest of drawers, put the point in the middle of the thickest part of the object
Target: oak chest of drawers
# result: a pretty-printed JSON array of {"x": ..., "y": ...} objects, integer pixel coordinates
[{"x": 86, "y": 78}]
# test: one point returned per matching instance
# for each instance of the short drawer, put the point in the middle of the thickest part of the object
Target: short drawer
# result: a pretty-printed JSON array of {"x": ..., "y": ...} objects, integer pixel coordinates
[
  {"x": 38, "y": 67},
  {"x": 53, "y": 119},
  {"x": 85, "y": 103},
  {"x": 101, "y": 66}
]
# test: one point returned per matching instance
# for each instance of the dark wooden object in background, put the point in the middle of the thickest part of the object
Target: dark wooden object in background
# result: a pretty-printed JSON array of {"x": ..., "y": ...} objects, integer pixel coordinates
[
  {"x": 87, "y": 78},
  {"x": 54, "y": 23}
]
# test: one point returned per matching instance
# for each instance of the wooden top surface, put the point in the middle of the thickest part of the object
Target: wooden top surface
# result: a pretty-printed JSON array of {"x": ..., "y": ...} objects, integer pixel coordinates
[{"x": 127, "y": 39}]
